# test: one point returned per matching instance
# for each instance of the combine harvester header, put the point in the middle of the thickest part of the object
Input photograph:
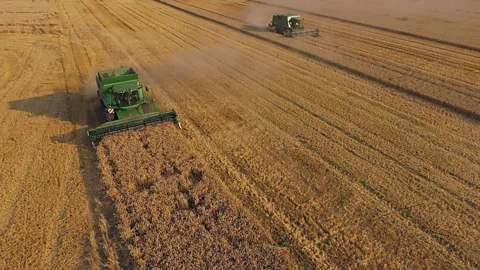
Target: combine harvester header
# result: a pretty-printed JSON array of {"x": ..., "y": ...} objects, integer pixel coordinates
[{"x": 127, "y": 103}]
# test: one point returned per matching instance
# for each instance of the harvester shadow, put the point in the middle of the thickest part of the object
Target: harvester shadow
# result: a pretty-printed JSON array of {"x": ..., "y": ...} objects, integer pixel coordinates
[
  {"x": 255, "y": 28},
  {"x": 75, "y": 108},
  {"x": 82, "y": 111},
  {"x": 55, "y": 105}
]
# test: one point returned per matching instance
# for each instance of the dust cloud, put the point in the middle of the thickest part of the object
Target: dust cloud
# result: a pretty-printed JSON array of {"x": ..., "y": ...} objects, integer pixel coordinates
[{"x": 190, "y": 64}]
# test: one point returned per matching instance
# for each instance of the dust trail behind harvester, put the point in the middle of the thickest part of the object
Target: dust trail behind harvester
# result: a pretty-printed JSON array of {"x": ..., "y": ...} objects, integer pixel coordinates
[{"x": 187, "y": 65}]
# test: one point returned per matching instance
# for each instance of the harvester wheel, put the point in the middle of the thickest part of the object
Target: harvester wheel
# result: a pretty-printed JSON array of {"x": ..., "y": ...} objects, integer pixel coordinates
[
  {"x": 109, "y": 116},
  {"x": 287, "y": 32}
]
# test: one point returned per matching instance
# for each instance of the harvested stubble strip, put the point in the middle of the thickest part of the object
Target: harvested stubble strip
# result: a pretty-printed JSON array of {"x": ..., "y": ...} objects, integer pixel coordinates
[{"x": 173, "y": 212}]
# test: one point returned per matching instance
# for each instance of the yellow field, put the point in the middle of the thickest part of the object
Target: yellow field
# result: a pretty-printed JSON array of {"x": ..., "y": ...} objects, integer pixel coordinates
[{"x": 357, "y": 149}]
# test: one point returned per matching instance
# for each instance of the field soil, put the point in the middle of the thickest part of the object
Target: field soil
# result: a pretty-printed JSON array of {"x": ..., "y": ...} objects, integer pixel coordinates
[{"x": 356, "y": 149}]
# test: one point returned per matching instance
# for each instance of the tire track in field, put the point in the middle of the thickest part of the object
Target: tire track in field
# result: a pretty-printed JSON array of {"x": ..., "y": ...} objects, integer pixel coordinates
[
  {"x": 14, "y": 80},
  {"x": 117, "y": 18},
  {"x": 405, "y": 69},
  {"x": 454, "y": 60},
  {"x": 39, "y": 45},
  {"x": 72, "y": 27}
]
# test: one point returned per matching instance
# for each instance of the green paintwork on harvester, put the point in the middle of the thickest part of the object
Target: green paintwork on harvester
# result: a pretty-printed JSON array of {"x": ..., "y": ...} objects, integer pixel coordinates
[
  {"x": 128, "y": 101},
  {"x": 115, "y": 84},
  {"x": 291, "y": 25}
]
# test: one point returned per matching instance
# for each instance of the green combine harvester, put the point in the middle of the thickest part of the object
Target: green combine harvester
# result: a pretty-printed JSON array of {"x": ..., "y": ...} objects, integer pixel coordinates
[
  {"x": 127, "y": 104},
  {"x": 291, "y": 25}
]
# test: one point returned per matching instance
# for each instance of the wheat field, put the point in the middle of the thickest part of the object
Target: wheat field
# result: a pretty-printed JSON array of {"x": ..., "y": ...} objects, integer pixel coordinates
[{"x": 358, "y": 149}]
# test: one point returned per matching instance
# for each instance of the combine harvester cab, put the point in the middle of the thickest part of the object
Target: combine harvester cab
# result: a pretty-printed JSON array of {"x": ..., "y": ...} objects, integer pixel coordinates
[
  {"x": 127, "y": 104},
  {"x": 291, "y": 25}
]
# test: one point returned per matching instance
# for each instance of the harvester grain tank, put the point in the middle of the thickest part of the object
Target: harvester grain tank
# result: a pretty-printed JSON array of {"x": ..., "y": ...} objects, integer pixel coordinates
[
  {"x": 127, "y": 103},
  {"x": 291, "y": 25}
]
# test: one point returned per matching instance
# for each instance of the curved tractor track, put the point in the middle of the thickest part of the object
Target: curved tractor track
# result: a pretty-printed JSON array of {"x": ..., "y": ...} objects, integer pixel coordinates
[{"x": 358, "y": 149}]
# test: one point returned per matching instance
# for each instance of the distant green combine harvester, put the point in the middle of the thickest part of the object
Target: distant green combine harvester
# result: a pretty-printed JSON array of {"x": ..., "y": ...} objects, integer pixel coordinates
[{"x": 291, "y": 25}]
